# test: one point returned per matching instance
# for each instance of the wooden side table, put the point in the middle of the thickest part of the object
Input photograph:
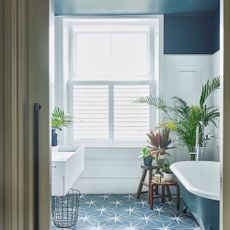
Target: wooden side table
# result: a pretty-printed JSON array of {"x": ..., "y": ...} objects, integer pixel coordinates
[
  {"x": 146, "y": 169},
  {"x": 164, "y": 185}
]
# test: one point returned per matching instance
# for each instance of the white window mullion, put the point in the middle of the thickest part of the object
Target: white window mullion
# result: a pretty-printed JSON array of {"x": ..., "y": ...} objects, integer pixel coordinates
[
  {"x": 69, "y": 87},
  {"x": 71, "y": 54},
  {"x": 69, "y": 136},
  {"x": 111, "y": 111},
  {"x": 152, "y": 113}
]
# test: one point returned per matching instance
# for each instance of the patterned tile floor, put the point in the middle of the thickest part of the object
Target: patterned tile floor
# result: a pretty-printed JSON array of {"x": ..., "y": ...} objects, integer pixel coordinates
[{"x": 125, "y": 212}]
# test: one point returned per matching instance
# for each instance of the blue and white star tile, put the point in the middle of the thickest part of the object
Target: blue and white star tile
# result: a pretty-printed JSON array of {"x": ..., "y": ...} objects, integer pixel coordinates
[{"x": 125, "y": 212}]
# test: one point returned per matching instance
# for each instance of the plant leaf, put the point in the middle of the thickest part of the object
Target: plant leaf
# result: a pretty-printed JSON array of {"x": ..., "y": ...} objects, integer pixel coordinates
[
  {"x": 208, "y": 88},
  {"x": 59, "y": 119},
  {"x": 155, "y": 101}
]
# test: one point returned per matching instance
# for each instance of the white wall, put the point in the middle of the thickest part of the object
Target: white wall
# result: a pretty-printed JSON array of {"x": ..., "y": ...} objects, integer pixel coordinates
[
  {"x": 117, "y": 169},
  {"x": 110, "y": 170},
  {"x": 216, "y": 101},
  {"x": 183, "y": 76}
]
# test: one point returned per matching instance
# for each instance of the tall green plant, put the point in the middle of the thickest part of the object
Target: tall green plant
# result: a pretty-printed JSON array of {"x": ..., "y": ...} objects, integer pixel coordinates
[{"x": 183, "y": 118}]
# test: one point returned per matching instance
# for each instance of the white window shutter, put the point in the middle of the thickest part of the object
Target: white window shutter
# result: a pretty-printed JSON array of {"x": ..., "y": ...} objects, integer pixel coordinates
[
  {"x": 131, "y": 120},
  {"x": 90, "y": 107}
]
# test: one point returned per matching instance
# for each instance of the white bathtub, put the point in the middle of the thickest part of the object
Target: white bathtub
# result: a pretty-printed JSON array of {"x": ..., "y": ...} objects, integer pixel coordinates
[
  {"x": 202, "y": 178},
  {"x": 200, "y": 189}
]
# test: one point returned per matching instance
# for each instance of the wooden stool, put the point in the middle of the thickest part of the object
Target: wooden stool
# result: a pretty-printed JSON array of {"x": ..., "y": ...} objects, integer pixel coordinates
[
  {"x": 164, "y": 184},
  {"x": 142, "y": 181}
]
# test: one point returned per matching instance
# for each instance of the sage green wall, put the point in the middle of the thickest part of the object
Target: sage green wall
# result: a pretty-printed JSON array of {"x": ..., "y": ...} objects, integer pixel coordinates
[{"x": 1, "y": 122}]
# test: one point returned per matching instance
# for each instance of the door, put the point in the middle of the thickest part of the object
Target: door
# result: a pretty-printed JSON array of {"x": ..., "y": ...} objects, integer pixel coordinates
[
  {"x": 35, "y": 49},
  {"x": 1, "y": 121},
  {"x": 24, "y": 80},
  {"x": 38, "y": 92},
  {"x": 225, "y": 122}
]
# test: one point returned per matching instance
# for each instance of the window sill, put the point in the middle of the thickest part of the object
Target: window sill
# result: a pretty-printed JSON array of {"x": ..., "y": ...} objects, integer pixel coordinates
[{"x": 112, "y": 145}]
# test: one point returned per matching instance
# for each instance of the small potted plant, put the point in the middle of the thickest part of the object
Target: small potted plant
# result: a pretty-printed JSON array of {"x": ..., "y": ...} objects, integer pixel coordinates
[
  {"x": 147, "y": 158},
  {"x": 166, "y": 171},
  {"x": 159, "y": 143},
  {"x": 59, "y": 119}
]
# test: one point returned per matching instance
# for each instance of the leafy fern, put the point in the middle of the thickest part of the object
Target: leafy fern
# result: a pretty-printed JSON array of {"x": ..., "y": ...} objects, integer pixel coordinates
[
  {"x": 208, "y": 88},
  {"x": 59, "y": 119},
  {"x": 156, "y": 101}
]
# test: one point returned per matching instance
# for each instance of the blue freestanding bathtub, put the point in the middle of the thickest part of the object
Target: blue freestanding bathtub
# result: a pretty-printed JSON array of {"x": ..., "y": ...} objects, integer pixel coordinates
[{"x": 200, "y": 190}]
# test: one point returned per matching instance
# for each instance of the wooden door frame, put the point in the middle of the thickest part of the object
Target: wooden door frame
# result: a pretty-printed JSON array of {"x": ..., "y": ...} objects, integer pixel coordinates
[
  {"x": 13, "y": 99},
  {"x": 225, "y": 112},
  {"x": 38, "y": 91},
  {"x": 24, "y": 80},
  {"x": 2, "y": 155}
]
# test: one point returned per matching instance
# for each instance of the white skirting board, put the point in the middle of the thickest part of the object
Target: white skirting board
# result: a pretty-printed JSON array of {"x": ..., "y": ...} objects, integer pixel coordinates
[{"x": 108, "y": 185}]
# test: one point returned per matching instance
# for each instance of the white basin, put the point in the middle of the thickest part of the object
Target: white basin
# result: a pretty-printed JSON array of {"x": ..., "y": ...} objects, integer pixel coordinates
[{"x": 67, "y": 166}]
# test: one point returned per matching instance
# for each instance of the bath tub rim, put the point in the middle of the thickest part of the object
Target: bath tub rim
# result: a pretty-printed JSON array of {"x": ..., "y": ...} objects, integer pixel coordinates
[{"x": 194, "y": 189}]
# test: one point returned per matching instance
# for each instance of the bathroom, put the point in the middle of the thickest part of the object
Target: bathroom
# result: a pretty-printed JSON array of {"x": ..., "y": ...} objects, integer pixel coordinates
[{"x": 178, "y": 52}]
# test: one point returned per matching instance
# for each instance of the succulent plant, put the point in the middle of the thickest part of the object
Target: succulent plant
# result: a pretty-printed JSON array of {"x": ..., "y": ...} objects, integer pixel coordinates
[{"x": 165, "y": 168}]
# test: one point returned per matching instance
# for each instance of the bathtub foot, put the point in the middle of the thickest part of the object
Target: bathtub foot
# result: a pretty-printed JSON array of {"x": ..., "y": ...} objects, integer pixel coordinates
[{"x": 185, "y": 210}]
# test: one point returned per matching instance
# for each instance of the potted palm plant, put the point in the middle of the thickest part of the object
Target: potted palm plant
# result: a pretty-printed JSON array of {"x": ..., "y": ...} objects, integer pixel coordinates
[
  {"x": 159, "y": 143},
  {"x": 59, "y": 119},
  {"x": 183, "y": 119}
]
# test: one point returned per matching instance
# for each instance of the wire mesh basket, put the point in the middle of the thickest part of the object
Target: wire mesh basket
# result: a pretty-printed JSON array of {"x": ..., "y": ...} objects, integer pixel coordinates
[{"x": 65, "y": 209}]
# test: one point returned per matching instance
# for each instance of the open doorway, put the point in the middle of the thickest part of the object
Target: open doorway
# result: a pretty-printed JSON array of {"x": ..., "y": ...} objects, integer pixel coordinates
[{"x": 103, "y": 64}]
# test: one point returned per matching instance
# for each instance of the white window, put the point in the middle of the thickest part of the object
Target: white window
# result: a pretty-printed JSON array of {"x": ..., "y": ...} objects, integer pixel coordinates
[{"x": 107, "y": 65}]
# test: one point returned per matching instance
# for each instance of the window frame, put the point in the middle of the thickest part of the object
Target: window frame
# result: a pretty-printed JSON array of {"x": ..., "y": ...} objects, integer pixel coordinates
[{"x": 64, "y": 25}]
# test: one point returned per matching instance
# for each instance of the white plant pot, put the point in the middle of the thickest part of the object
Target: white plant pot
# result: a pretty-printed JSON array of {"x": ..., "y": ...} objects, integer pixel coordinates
[{"x": 168, "y": 177}]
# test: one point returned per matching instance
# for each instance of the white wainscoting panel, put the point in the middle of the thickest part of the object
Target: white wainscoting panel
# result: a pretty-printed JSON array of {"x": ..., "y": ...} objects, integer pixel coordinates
[
  {"x": 215, "y": 144},
  {"x": 187, "y": 79},
  {"x": 183, "y": 76},
  {"x": 110, "y": 170}
]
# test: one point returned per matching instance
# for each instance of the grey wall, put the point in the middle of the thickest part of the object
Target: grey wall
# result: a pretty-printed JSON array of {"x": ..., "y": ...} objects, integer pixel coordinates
[
  {"x": 191, "y": 34},
  {"x": 133, "y": 7},
  {"x": 190, "y": 27}
]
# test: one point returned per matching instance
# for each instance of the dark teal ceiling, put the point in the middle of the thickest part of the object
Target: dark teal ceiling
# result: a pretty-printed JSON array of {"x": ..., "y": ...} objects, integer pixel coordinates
[{"x": 133, "y": 7}]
